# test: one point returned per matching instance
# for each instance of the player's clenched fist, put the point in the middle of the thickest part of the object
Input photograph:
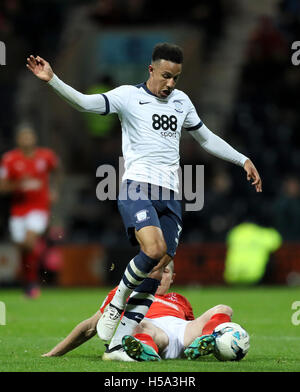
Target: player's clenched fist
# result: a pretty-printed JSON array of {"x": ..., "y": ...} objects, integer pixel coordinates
[{"x": 39, "y": 67}]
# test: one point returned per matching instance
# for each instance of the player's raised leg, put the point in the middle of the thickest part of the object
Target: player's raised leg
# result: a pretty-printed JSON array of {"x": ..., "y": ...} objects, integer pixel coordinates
[
  {"x": 153, "y": 248},
  {"x": 199, "y": 338},
  {"x": 136, "y": 308}
]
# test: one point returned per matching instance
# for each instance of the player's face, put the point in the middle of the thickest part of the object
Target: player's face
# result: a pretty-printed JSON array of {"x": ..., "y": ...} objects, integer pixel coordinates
[
  {"x": 26, "y": 139},
  {"x": 166, "y": 281},
  {"x": 163, "y": 77}
]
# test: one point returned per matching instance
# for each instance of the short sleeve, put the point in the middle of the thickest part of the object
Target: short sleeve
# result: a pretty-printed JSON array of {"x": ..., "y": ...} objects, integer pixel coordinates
[
  {"x": 116, "y": 99},
  {"x": 192, "y": 120}
]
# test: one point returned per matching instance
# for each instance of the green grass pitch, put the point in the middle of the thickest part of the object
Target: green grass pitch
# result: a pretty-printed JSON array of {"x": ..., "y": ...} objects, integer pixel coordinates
[{"x": 33, "y": 327}]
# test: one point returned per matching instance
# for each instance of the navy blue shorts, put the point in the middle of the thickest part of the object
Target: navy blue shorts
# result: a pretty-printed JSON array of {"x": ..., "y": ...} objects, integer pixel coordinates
[{"x": 142, "y": 204}]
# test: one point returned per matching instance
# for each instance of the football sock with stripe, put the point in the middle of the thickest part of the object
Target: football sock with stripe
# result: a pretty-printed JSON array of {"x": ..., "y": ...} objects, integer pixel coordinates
[
  {"x": 137, "y": 270},
  {"x": 214, "y": 321},
  {"x": 136, "y": 308}
]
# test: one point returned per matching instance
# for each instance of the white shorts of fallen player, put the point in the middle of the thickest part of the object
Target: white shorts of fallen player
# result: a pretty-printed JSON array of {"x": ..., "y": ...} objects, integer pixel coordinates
[
  {"x": 35, "y": 220},
  {"x": 174, "y": 327}
]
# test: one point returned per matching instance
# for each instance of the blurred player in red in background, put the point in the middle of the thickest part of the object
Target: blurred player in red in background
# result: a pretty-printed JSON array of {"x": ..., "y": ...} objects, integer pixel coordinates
[
  {"x": 25, "y": 174},
  {"x": 168, "y": 329}
]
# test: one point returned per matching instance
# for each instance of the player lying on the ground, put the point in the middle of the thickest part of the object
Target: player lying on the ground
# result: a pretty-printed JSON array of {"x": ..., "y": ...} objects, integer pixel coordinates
[{"x": 167, "y": 330}]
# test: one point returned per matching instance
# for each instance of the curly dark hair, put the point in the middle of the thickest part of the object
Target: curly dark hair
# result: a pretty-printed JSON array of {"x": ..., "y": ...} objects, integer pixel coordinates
[{"x": 166, "y": 51}]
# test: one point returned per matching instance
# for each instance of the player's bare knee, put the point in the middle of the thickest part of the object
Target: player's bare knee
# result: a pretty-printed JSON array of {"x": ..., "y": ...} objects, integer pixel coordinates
[
  {"x": 139, "y": 329},
  {"x": 143, "y": 327},
  {"x": 223, "y": 309},
  {"x": 157, "y": 250}
]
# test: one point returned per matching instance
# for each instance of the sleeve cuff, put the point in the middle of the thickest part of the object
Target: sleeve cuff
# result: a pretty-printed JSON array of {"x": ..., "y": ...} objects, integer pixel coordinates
[
  {"x": 107, "y": 108},
  {"x": 243, "y": 160},
  {"x": 53, "y": 81},
  {"x": 199, "y": 125}
]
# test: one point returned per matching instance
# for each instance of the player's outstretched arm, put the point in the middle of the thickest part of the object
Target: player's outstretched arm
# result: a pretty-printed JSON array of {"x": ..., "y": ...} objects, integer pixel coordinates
[
  {"x": 40, "y": 68},
  {"x": 94, "y": 103},
  {"x": 252, "y": 174},
  {"x": 213, "y": 144},
  {"x": 79, "y": 335}
]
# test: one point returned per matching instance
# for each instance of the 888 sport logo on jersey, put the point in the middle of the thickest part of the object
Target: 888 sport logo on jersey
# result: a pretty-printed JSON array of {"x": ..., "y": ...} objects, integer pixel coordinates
[{"x": 166, "y": 124}]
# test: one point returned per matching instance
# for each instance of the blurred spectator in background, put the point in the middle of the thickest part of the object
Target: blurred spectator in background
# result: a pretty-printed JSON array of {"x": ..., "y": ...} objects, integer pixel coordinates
[
  {"x": 25, "y": 174},
  {"x": 23, "y": 18},
  {"x": 266, "y": 110},
  {"x": 266, "y": 41},
  {"x": 286, "y": 209},
  {"x": 116, "y": 12},
  {"x": 248, "y": 253},
  {"x": 288, "y": 19},
  {"x": 210, "y": 17},
  {"x": 217, "y": 213},
  {"x": 25, "y": 26}
]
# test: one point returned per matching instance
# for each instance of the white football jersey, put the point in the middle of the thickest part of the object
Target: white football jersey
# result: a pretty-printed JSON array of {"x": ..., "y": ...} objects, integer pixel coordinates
[{"x": 151, "y": 130}]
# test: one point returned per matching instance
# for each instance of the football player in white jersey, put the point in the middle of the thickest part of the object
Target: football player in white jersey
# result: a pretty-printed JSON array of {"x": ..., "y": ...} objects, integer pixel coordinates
[{"x": 152, "y": 116}]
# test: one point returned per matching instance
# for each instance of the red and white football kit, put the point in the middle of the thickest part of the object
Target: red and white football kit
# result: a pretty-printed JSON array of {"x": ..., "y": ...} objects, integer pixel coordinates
[
  {"x": 170, "y": 312},
  {"x": 30, "y": 201},
  {"x": 170, "y": 304}
]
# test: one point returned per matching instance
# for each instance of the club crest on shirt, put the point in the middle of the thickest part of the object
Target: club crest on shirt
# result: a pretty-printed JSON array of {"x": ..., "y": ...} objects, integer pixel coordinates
[
  {"x": 142, "y": 215},
  {"x": 172, "y": 297},
  {"x": 178, "y": 106}
]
